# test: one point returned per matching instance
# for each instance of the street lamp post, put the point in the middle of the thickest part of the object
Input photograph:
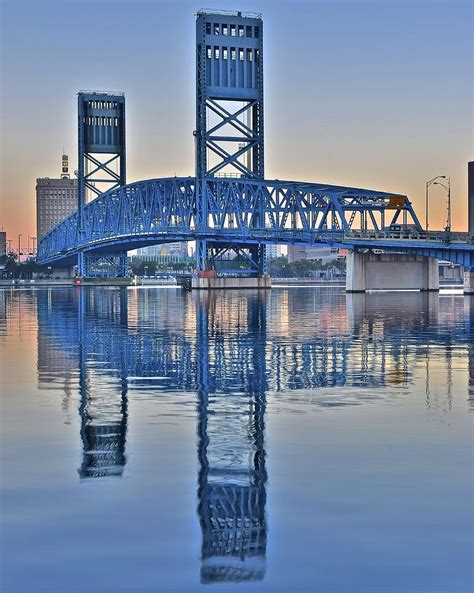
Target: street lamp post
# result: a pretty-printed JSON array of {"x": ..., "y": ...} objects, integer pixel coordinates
[
  {"x": 448, "y": 189},
  {"x": 19, "y": 247},
  {"x": 428, "y": 183}
]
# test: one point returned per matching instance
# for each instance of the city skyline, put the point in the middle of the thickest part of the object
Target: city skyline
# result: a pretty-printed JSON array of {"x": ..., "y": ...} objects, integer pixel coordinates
[{"x": 370, "y": 112}]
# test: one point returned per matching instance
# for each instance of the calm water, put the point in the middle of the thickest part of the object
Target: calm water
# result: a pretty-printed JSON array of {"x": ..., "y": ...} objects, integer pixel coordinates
[{"x": 299, "y": 441}]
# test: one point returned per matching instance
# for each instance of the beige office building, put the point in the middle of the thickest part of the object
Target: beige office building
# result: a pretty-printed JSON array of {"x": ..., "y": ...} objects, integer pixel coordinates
[{"x": 55, "y": 200}]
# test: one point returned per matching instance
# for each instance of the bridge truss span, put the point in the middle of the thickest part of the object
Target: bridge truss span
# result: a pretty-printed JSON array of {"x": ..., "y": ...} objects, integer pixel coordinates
[{"x": 254, "y": 211}]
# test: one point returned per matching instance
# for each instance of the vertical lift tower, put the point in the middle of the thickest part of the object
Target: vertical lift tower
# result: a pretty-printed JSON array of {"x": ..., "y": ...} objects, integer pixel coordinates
[
  {"x": 102, "y": 167},
  {"x": 229, "y": 123}
]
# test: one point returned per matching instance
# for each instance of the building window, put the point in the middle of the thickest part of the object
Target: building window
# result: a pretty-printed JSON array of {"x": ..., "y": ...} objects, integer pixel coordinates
[
  {"x": 224, "y": 53},
  {"x": 216, "y": 53},
  {"x": 208, "y": 52},
  {"x": 216, "y": 29},
  {"x": 225, "y": 30},
  {"x": 241, "y": 55},
  {"x": 249, "y": 55},
  {"x": 232, "y": 53},
  {"x": 241, "y": 30},
  {"x": 257, "y": 32},
  {"x": 232, "y": 30},
  {"x": 208, "y": 28},
  {"x": 249, "y": 31}
]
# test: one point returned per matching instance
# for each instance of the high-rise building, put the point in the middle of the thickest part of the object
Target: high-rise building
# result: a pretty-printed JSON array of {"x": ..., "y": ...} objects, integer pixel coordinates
[
  {"x": 55, "y": 199},
  {"x": 3, "y": 243}
]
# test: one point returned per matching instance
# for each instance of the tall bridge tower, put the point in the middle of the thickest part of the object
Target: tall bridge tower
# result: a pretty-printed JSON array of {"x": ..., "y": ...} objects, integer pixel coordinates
[
  {"x": 229, "y": 116},
  {"x": 101, "y": 155}
]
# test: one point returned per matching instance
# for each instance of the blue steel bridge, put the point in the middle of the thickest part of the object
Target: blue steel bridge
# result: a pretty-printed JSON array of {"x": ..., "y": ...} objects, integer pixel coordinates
[
  {"x": 244, "y": 212},
  {"x": 229, "y": 205}
]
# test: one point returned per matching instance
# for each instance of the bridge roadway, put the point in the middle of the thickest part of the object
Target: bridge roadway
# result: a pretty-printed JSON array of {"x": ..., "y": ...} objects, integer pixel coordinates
[{"x": 165, "y": 210}]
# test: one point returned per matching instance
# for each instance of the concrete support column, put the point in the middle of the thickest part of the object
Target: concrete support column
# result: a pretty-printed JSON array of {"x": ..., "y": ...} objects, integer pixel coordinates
[
  {"x": 432, "y": 275},
  {"x": 355, "y": 272},
  {"x": 469, "y": 282},
  {"x": 391, "y": 271}
]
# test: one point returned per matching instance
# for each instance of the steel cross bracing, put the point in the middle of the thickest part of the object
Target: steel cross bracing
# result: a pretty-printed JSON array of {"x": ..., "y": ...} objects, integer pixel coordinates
[{"x": 250, "y": 212}]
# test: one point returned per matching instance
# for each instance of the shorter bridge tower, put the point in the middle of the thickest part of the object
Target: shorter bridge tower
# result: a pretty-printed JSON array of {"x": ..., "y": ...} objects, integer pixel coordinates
[{"x": 101, "y": 166}]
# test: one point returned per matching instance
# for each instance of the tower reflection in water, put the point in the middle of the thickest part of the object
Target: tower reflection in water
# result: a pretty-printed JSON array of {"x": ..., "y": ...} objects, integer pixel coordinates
[
  {"x": 103, "y": 412},
  {"x": 231, "y": 452}
]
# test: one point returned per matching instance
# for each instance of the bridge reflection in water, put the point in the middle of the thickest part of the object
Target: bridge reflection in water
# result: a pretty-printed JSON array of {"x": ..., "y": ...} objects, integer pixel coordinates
[{"x": 234, "y": 350}]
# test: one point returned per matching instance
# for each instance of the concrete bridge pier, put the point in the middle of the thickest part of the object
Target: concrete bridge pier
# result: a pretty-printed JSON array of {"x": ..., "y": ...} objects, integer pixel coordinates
[
  {"x": 370, "y": 271},
  {"x": 63, "y": 273},
  {"x": 469, "y": 282}
]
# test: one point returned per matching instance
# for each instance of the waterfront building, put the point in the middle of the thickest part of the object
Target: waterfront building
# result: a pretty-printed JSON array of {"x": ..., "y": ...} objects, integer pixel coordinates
[
  {"x": 325, "y": 254},
  {"x": 164, "y": 254},
  {"x": 3, "y": 243},
  {"x": 56, "y": 198},
  {"x": 272, "y": 251}
]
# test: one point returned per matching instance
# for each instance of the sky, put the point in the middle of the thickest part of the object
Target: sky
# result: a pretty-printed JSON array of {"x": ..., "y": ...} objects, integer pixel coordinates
[{"x": 375, "y": 94}]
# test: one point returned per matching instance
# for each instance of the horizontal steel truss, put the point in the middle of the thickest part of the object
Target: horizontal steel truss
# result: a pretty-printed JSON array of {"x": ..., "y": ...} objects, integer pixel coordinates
[
  {"x": 102, "y": 265},
  {"x": 232, "y": 211},
  {"x": 216, "y": 255}
]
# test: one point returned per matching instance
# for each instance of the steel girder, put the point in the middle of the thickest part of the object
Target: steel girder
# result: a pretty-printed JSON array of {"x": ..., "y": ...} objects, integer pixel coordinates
[{"x": 242, "y": 212}]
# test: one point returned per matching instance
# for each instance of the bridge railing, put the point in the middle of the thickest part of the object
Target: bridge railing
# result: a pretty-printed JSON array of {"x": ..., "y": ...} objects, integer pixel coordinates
[{"x": 410, "y": 235}]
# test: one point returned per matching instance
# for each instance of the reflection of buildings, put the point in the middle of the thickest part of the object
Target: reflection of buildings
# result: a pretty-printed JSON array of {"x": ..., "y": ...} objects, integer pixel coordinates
[
  {"x": 231, "y": 453},
  {"x": 57, "y": 360}
]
